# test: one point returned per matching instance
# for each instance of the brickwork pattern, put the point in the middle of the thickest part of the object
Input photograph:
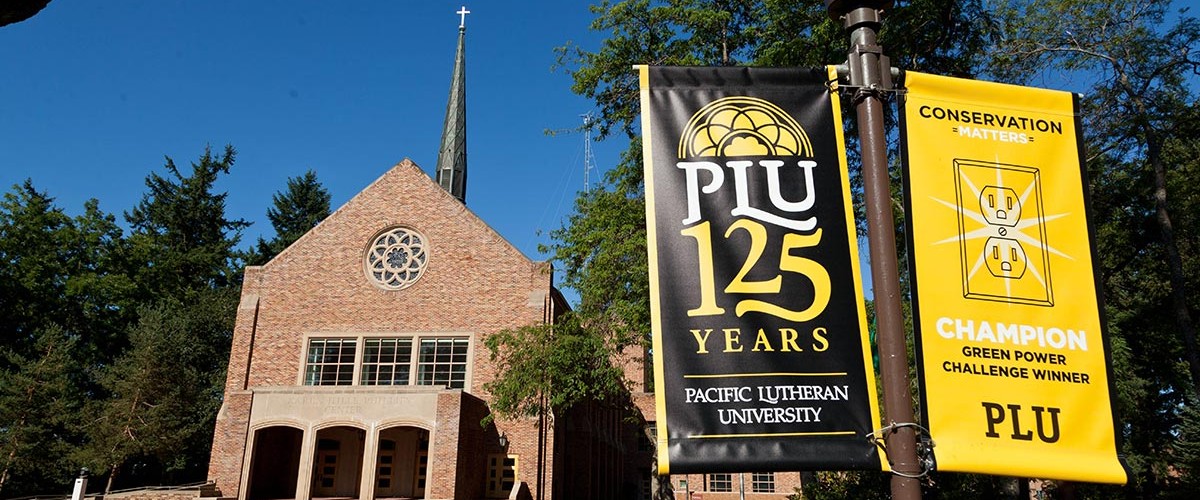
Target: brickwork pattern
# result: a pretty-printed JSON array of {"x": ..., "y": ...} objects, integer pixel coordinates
[
  {"x": 785, "y": 484},
  {"x": 475, "y": 283},
  {"x": 229, "y": 441},
  {"x": 443, "y": 451}
]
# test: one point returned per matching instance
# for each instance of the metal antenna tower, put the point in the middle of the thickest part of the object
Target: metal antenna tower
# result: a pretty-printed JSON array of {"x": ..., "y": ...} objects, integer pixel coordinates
[{"x": 588, "y": 160}]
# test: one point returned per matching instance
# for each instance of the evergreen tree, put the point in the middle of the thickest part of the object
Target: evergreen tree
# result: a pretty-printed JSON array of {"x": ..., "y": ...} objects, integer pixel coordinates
[
  {"x": 153, "y": 421},
  {"x": 164, "y": 392},
  {"x": 32, "y": 279},
  {"x": 294, "y": 212},
  {"x": 39, "y": 403},
  {"x": 59, "y": 269},
  {"x": 64, "y": 300},
  {"x": 181, "y": 236}
]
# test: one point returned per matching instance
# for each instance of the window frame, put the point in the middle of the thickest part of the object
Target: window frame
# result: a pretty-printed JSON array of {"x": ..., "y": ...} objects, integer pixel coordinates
[
  {"x": 362, "y": 365},
  {"x": 419, "y": 362},
  {"x": 342, "y": 342},
  {"x": 762, "y": 482},
  {"x": 719, "y": 482},
  {"x": 415, "y": 340}
]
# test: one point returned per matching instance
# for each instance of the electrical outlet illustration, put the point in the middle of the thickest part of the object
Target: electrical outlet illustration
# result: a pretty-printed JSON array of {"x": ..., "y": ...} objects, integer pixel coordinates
[
  {"x": 1002, "y": 233},
  {"x": 1000, "y": 206},
  {"x": 1005, "y": 258}
]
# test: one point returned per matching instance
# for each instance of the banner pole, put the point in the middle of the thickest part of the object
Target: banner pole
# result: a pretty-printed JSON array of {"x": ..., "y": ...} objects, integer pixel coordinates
[{"x": 870, "y": 75}]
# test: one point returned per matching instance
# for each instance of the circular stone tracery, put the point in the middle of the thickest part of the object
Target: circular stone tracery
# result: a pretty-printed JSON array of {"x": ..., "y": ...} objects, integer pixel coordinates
[{"x": 396, "y": 258}]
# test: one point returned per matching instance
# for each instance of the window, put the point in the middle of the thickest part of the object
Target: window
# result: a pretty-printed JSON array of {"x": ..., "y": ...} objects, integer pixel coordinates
[
  {"x": 722, "y": 483},
  {"x": 386, "y": 361},
  {"x": 330, "y": 362},
  {"x": 502, "y": 475},
  {"x": 443, "y": 362},
  {"x": 396, "y": 259},
  {"x": 762, "y": 482},
  {"x": 647, "y": 438}
]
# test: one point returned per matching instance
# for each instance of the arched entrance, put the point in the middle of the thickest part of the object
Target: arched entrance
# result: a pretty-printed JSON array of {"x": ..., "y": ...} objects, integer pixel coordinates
[
  {"x": 337, "y": 462},
  {"x": 402, "y": 463},
  {"x": 275, "y": 465}
]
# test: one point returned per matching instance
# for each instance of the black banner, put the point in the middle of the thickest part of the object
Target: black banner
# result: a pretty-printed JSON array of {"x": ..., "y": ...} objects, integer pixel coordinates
[{"x": 760, "y": 348}]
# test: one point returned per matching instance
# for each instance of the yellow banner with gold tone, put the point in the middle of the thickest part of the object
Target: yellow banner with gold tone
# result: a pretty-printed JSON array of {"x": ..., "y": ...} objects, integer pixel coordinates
[{"x": 1011, "y": 343}]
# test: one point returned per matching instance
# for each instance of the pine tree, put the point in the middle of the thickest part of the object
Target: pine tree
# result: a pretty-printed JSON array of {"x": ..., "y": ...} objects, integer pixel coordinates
[
  {"x": 294, "y": 212},
  {"x": 181, "y": 235},
  {"x": 32, "y": 280},
  {"x": 64, "y": 300},
  {"x": 39, "y": 403},
  {"x": 159, "y": 398},
  {"x": 165, "y": 390}
]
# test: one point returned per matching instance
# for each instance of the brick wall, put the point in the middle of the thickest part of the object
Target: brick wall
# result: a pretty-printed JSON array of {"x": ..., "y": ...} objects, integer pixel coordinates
[
  {"x": 785, "y": 484},
  {"x": 475, "y": 283}
]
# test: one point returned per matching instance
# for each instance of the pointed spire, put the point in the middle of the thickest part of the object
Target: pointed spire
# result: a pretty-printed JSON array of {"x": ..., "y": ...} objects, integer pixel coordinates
[{"x": 452, "y": 155}]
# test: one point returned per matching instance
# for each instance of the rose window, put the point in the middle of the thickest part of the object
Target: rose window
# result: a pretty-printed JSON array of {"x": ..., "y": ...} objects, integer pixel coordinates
[{"x": 396, "y": 258}]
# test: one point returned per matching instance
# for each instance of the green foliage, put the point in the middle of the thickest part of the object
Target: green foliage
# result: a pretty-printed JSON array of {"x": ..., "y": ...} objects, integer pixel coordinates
[
  {"x": 113, "y": 347},
  {"x": 293, "y": 213},
  {"x": 181, "y": 237},
  {"x": 546, "y": 369},
  {"x": 63, "y": 292},
  {"x": 841, "y": 485},
  {"x": 57, "y": 268},
  {"x": 166, "y": 389},
  {"x": 602, "y": 251},
  {"x": 39, "y": 407},
  {"x": 1188, "y": 450}
]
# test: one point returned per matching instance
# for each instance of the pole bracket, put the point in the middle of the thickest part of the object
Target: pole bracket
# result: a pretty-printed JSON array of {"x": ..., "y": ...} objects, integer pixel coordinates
[{"x": 925, "y": 445}]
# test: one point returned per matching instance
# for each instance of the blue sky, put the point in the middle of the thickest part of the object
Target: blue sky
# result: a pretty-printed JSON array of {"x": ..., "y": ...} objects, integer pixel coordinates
[{"x": 96, "y": 93}]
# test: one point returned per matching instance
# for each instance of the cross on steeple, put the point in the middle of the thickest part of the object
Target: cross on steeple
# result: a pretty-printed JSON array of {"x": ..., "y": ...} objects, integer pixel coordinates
[
  {"x": 462, "y": 13},
  {"x": 452, "y": 154}
]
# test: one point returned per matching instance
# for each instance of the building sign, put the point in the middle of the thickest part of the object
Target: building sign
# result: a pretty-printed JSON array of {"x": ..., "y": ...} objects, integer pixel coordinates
[
  {"x": 760, "y": 352},
  {"x": 1012, "y": 349}
]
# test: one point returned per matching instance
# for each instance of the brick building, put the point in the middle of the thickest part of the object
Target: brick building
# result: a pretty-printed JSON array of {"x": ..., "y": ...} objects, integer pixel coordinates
[{"x": 358, "y": 366}]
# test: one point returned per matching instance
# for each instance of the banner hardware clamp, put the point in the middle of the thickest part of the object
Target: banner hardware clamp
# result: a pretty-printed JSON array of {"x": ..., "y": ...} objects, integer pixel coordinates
[
  {"x": 843, "y": 70},
  {"x": 878, "y": 438},
  {"x": 880, "y": 90}
]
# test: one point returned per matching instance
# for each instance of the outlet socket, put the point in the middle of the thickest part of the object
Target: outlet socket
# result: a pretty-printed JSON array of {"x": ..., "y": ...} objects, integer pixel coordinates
[{"x": 1000, "y": 206}]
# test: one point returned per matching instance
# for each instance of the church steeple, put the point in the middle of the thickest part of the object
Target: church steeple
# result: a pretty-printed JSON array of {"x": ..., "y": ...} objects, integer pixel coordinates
[{"x": 452, "y": 155}]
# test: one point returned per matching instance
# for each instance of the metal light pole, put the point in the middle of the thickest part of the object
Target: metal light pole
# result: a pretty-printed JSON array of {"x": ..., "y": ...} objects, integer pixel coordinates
[{"x": 870, "y": 76}]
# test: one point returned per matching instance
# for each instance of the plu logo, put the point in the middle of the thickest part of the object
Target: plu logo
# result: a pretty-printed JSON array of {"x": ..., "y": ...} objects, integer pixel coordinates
[
  {"x": 1002, "y": 233},
  {"x": 748, "y": 127},
  {"x": 761, "y": 145},
  {"x": 743, "y": 126}
]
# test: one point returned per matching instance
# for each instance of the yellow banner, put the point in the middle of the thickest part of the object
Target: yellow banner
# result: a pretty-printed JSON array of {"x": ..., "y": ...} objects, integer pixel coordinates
[{"x": 1012, "y": 349}]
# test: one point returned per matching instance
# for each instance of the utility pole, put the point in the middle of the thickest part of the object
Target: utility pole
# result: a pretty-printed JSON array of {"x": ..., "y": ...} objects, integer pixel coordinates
[{"x": 870, "y": 77}]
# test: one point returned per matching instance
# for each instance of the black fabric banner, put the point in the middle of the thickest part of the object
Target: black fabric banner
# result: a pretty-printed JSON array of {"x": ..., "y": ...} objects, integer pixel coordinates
[{"x": 760, "y": 347}]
